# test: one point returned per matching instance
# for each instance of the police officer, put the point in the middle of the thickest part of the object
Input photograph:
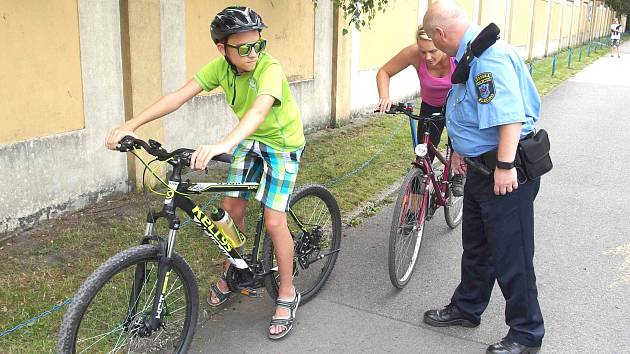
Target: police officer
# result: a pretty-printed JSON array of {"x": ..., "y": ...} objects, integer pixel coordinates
[{"x": 492, "y": 110}]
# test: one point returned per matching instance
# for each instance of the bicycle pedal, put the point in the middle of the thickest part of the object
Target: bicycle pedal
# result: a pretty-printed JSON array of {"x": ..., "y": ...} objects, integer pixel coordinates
[{"x": 249, "y": 292}]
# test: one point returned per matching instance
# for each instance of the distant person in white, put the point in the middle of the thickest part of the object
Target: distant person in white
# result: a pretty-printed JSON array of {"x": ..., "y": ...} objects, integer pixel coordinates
[{"x": 615, "y": 36}]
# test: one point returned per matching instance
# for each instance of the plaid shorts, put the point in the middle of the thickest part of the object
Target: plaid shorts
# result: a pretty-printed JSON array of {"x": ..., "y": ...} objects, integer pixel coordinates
[{"x": 276, "y": 171}]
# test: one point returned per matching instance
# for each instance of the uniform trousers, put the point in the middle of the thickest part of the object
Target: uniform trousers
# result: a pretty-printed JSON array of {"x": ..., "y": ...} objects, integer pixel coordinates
[{"x": 498, "y": 243}]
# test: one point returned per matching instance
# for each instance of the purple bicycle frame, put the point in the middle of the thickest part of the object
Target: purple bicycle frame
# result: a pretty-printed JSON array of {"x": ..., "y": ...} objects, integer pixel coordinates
[{"x": 425, "y": 164}]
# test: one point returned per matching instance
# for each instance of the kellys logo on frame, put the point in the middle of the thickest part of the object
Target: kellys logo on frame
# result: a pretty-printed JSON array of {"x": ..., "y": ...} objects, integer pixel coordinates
[{"x": 485, "y": 87}]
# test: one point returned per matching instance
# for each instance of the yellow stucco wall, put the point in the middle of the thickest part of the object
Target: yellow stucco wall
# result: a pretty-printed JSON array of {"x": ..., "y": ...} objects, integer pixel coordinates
[
  {"x": 583, "y": 24},
  {"x": 388, "y": 34},
  {"x": 144, "y": 70},
  {"x": 555, "y": 21},
  {"x": 290, "y": 36},
  {"x": 41, "y": 81},
  {"x": 541, "y": 21},
  {"x": 520, "y": 22},
  {"x": 493, "y": 11},
  {"x": 469, "y": 6},
  {"x": 578, "y": 18},
  {"x": 566, "y": 20}
]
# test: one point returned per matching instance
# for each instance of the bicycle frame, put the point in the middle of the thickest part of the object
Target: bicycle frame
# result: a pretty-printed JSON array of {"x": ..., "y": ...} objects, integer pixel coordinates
[
  {"x": 425, "y": 164},
  {"x": 176, "y": 198}
]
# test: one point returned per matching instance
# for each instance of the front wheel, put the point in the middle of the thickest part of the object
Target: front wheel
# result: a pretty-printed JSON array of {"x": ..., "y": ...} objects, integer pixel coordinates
[
  {"x": 314, "y": 221},
  {"x": 111, "y": 310},
  {"x": 407, "y": 228}
]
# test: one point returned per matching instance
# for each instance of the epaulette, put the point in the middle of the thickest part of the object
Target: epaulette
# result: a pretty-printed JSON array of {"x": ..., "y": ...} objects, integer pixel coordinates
[{"x": 486, "y": 38}]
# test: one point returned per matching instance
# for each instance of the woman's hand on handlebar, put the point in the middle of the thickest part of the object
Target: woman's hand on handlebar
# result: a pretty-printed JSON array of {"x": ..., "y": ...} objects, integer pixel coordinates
[
  {"x": 384, "y": 104},
  {"x": 204, "y": 153},
  {"x": 115, "y": 135}
]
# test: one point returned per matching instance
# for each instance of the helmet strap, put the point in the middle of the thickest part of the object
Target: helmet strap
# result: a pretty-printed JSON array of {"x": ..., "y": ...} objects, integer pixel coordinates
[{"x": 232, "y": 66}]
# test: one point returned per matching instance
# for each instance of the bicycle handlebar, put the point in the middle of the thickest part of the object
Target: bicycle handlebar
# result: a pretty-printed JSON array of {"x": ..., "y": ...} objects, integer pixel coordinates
[
  {"x": 154, "y": 148},
  {"x": 401, "y": 109}
]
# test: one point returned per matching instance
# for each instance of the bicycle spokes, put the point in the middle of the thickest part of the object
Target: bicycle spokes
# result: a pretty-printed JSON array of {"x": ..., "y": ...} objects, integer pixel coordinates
[
  {"x": 407, "y": 228},
  {"x": 109, "y": 327}
]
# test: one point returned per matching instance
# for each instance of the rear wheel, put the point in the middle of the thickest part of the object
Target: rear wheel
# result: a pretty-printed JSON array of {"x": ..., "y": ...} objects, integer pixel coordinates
[
  {"x": 407, "y": 228},
  {"x": 314, "y": 221},
  {"x": 110, "y": 311}
]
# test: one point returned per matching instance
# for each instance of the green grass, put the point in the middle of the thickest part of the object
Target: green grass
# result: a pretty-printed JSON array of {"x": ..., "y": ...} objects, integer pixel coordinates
[
  {"x": 47, "y": 265},
  {"x": 542, "y": 68}
]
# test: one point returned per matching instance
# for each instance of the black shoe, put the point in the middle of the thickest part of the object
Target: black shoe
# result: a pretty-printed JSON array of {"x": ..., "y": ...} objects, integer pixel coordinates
[
  {"x": 457, "y": 185},
  {"x": 448, "y": 316},
  {"x": 509, "y": 346}
]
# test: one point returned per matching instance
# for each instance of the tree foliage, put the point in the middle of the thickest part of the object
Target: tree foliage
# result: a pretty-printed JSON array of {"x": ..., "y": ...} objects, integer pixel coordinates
[
  {"x": 359, "y": 13},
  {"x": 621, "y": 6}
]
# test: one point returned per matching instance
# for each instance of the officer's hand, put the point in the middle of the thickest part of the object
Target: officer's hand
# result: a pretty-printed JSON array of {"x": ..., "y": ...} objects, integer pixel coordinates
[
  {"x": 458, "y": 164},
  {"x": 384, "y": 104},
  {"x": 505, "y": 181}
]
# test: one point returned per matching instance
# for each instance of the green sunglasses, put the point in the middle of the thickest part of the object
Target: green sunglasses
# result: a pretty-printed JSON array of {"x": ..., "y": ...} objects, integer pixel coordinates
[{"x": 244, "y": 49}]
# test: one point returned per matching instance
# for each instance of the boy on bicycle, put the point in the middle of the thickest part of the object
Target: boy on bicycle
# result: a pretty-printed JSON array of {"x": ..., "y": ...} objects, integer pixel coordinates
[{"x": 267, "y": 143}]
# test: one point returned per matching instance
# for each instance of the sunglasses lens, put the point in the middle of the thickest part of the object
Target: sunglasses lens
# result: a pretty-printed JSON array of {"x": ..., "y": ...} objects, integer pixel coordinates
[
  {"x": 260, "y": 45},
  {"x": 244, "y": 49}
]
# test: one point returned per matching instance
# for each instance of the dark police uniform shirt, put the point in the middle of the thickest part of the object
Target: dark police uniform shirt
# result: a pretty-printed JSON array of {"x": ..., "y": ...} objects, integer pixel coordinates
[{"x": 499, "y": 91}]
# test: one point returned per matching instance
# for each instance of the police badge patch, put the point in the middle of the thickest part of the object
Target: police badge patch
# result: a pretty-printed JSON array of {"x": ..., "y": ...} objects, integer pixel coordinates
[{"x": 485, "y": 87}]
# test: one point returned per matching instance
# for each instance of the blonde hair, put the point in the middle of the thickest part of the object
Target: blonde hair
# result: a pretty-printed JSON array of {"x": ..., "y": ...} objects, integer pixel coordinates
[{"x": 421, "y": 34}]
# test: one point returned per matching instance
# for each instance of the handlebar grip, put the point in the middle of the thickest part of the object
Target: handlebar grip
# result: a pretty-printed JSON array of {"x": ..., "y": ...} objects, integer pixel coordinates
[
  {"x": 394, "y": 109},
  {"x": 228, "y": 158},
  {"x": 126, "y": 143}
]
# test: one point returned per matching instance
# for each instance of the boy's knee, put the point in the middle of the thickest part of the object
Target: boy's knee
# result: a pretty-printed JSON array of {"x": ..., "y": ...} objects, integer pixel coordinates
[
  {"x": 235, "y": 207},
  {"x": 275, "y": 220}
]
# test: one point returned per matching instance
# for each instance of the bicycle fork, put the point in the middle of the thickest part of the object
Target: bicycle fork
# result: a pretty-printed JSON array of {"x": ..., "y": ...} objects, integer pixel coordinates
[{"x": 145, "y": 328}]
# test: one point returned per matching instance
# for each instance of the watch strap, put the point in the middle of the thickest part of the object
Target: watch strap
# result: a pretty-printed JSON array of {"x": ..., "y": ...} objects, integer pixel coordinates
[{"x": 505, "y": 165}]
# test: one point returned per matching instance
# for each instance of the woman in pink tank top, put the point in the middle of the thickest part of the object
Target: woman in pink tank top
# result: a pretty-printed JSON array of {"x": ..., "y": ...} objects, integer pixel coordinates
[{"x": 434, "y": 70}]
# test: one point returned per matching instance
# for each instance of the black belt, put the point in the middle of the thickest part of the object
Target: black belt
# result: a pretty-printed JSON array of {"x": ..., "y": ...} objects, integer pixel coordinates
[{"x": 476, "y": 159}]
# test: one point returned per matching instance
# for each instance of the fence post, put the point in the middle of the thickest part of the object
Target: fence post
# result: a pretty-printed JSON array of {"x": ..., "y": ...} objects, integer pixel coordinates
[
  {"x": 570, "y": 55},
  {"x": 588, "y": 53},
  {"x": 580, "y": 56},
  {"x": 531, "y": 68},
  {"x": 553, "y": 65}
]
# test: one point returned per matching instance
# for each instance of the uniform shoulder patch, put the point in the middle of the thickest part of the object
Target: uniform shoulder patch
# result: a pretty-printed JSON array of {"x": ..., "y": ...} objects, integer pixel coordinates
[{"x": 485, "y": 87}]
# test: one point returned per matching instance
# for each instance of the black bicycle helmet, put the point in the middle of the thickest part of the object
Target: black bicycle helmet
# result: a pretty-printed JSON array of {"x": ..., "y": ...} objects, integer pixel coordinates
[{"x": 234, "y": 19}]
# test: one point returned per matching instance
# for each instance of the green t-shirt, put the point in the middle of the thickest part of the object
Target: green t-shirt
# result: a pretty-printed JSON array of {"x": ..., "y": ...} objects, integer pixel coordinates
[{"x": 282, "y": 128}]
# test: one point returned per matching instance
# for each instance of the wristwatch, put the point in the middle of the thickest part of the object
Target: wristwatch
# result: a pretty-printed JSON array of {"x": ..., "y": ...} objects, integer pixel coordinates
[{"x": 505, "y": 165}]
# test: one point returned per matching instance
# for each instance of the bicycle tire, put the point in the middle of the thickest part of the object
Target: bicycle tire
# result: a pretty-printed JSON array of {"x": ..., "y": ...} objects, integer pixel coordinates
[
  {"x": 116, "y": 265},
  {"x": 303, "y": 198},
  {"x": 453, "y": 210},
  {"x": 411, "y": 223}
]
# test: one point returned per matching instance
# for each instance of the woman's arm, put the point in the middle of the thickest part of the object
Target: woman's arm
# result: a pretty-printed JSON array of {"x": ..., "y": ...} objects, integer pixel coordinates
[
  {"x": 165, "y": 105},
  {"x": 410, "y": 55}
]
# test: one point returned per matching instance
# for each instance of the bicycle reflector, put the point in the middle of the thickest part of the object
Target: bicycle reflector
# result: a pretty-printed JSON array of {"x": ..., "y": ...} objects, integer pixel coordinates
[{"x": 421, "y": 150}]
